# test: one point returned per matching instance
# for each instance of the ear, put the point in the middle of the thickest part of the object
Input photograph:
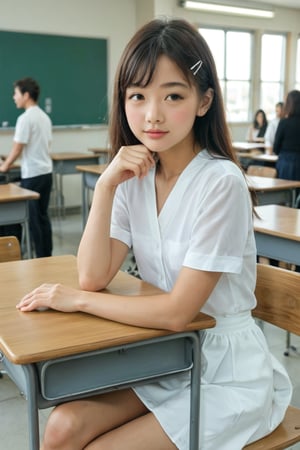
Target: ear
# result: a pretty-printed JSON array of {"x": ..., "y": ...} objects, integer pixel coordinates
[
  {"x": 26, "y": 96},
  {"x": 205, "y": 102}
]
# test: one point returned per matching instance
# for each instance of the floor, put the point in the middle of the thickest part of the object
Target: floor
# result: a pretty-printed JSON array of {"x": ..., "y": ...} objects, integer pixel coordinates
[{"x": 13, "y": 415}]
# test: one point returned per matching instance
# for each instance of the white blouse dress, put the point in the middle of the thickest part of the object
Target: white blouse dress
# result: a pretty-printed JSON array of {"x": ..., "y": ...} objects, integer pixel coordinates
[{"x": 206, "y": 224}]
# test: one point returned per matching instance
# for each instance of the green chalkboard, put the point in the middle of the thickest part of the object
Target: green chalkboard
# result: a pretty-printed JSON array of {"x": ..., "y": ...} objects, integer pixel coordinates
[{"x": 71, "y": 71}]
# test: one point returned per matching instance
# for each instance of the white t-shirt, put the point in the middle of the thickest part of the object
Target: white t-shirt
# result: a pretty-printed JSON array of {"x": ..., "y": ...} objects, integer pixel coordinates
[
  {"x": 205, "y": 224},
  {"x": 271, "y": 131},
  {"x": 34, "y": 129}
]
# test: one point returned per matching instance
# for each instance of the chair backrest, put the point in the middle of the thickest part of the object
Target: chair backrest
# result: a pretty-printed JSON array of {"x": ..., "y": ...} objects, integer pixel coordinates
[
  {"x": 10, "y": 249},
  {"x": 278, "y": 297},
  {"x": 262, "y": 171}
]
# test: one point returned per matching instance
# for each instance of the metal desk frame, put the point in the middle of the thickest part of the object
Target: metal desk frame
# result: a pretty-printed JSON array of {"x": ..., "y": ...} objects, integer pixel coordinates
[{"x": 31, "y": 378}]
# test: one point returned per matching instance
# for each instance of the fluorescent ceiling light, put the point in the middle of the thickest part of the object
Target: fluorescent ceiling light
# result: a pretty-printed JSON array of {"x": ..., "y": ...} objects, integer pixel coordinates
[{"x": 227, "y": 9}]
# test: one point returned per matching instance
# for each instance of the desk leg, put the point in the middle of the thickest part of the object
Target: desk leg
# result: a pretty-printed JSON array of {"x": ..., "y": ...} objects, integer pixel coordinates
[
  {"x": 195, "y": 392},
  {"x": 61, "y": 196},
  {"x": 85, "y": 200},
  {"x": 32, "y": 407},
  {"x": 27, "y": 233}
]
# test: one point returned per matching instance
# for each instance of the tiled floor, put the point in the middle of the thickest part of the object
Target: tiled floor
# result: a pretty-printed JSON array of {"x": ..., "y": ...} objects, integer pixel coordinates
[{"x": 13, "y": 413}]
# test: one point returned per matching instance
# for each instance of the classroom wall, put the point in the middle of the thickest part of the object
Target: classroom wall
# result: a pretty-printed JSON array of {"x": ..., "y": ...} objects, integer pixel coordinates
[{"x": 117, "y": 20}]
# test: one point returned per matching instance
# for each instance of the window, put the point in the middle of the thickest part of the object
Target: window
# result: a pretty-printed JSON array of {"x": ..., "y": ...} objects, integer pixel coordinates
[
  {"x": 232, "y": 54},
  {"x": 297, "y": 86},
  {"x": 272, "y": 72}
]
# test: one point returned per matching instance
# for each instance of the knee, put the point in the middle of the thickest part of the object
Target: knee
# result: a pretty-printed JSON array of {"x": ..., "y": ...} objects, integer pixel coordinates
[{"x": 61, "y": 429}]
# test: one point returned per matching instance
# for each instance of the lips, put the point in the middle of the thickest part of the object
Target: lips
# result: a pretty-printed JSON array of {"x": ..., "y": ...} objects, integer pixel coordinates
[{"x": 155, "y": 134}]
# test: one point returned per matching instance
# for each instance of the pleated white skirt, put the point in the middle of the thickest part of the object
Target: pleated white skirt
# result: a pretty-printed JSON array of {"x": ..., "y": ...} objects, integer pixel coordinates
[{"x": 244, "y": 390}]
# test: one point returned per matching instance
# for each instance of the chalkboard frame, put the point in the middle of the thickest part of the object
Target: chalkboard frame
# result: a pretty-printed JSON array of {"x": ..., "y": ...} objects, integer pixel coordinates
[{"x": 71, "y": 71}]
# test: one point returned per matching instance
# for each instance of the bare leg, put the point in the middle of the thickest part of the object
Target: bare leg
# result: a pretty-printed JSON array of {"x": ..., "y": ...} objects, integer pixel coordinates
[
  {"x": 143, "y": 433},
  {"x": 73, "y": 425}
]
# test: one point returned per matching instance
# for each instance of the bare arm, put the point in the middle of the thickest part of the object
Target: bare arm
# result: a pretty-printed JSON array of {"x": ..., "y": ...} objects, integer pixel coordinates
[
  {"x": 99, "y": 256},
  {"x": 14, "y": 154},
  {"x": 172, "y": 311}
]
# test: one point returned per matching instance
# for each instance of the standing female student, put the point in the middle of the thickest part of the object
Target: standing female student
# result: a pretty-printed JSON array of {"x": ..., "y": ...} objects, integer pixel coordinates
[
  {"x": 174, "y": 193},
  {"x": 287, "y": 139}
]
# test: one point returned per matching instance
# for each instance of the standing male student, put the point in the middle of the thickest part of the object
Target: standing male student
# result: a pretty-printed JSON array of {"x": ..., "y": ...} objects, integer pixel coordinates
[
  {"x": 32, "y": 140},
  {"x": 272, "y": 128}
]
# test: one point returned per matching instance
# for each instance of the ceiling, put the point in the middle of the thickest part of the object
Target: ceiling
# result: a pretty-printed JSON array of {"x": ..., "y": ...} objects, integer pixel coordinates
[{"x": 280, "y": 3}]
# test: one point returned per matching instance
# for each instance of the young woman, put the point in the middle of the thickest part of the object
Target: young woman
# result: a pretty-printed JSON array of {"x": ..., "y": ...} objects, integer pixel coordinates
[
  {"x": 174, "y": 193},
  {"x": 287, "y": 139},
  {"x": 256, "y": 132}
]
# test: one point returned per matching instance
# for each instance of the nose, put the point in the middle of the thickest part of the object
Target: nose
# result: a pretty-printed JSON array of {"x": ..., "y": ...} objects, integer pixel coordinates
[{"x": 154, "y": 113}]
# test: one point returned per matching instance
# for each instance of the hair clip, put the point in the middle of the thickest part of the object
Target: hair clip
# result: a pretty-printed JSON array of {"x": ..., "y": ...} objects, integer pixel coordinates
[{"x": 196, "y": 66}]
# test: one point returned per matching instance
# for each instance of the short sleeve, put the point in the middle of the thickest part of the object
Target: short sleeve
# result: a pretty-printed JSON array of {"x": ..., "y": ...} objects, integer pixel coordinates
[
  {"x": 120, "y": 227},
  {"x": 221, "y": 228},
  {"x": 22, "y": 131}
]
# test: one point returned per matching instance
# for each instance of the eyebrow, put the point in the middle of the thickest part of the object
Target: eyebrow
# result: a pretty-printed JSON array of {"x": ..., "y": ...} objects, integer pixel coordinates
[
  {"x": 175, "y": 84},
  {"x": 169, "y": 84}
]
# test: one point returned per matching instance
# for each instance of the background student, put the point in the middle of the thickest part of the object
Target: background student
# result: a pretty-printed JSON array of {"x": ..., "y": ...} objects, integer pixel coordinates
[
  {"x": 287, "y": 139},
  {"x": 272, "y": 127},
  {"x": 32, "y": 140},
  {"x": 256, "y": 131}
]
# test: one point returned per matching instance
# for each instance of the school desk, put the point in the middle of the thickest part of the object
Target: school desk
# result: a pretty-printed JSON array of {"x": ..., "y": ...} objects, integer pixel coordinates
[
  {"x": 245, "y": 146},
  {"x": 65, "y": 164},
  {"x": 277, "y": 233},
  {"x": 248, "y": 158},
  {"x": 273, "y": 190},
  {"x": 90, "y": 175},
  {"x": 102, "y": 153},
  {"x": 265, "y": 158},
  {"x": 55, "y": 357},
  {"x": 14, "y": 208},
  {"x": 13, "y": 173}
]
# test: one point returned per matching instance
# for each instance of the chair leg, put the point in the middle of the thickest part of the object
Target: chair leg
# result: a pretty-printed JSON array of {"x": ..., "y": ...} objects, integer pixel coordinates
[{"x": 289, "y": 346}]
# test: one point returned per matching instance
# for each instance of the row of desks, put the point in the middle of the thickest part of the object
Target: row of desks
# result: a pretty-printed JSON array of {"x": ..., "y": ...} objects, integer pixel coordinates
[
  {"x": 14, "y": 200},
  {"x": 268, "y": 190},
  {"x": 64, "y": 164}
]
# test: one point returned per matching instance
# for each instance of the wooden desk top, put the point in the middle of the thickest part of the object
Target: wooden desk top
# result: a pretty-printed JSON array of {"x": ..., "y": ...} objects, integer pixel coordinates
[
  {"x": 248, "y": 146},
  {"x": 99, "y": 150},
  {"x": 13, "y": 193},
  {"x": 65, "y": 156},
  {"x": 258, "y": 156},
  {"x": 270, "y": 184},
  {"x": 278, "y": 220},
  {"x": 96, "y": 169},
  {"x": 37, "y": 336},
  {"x": 265, "y": 157}
]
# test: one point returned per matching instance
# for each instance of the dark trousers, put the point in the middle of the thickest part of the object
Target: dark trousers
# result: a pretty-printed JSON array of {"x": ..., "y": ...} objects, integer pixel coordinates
[{"x": 39, "y": 221}]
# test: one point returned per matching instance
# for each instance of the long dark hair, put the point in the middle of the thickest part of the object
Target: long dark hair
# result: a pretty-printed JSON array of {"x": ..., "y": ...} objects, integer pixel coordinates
[
  {"x": 182, "y": 43},
  {"x": 292, "y": 104}
]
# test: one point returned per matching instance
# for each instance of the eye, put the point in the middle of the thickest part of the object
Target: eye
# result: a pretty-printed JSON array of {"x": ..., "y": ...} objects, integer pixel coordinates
[
  {"x": 174, "y": 97},
  {"x": 135, "y": 96}
]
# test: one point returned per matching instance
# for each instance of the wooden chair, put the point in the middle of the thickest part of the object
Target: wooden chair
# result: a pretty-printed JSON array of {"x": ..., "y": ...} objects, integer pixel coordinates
[
  {"x": 10, "y": 249},
  {"x": 262, "y": 171},
  {"x": 278, "y": 302}
]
